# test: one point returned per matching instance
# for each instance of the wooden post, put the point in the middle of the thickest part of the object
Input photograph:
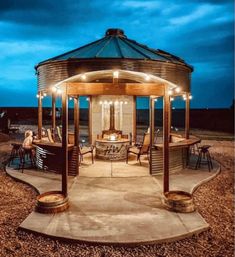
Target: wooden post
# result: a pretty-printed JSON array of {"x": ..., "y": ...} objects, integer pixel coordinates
[
  {"x": 64, "y": 141},
  {"x": 134, "y": 119},
  {"x": 166, "y": 141},
  {"x": 76, "y": 130},
  {"x": 151, "y": 126},
  {"x": 76, "y": 121},
  {"x": 170, "y": 119},
  {"x": 40, "y": 115},
  {"x": 53, "y": 114},
  {"x": 187, "y": 114},
  {"x": 90, "y": 120}
]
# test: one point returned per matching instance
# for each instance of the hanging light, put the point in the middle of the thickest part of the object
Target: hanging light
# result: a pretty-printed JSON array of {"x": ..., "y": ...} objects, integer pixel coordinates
[
  {"x": 59, "y": 91},
  {"x": 155, "y": 100},
  {"x": 70, "y": 98},
  {"x": 121, "y": 102},
  {"x": 87, "y": 99},
  {"x": 170, "y": 92},
  {"x": 100, "y": 102},
  {"x": 178, "y": 89},
  {"x": 147, "y": 77},
  {"x": 37, "y": 95},
  {"x": 172, "y": 99},
  {"x": 116, "y": 102},
  {"x": 105, "y": 102},
  {"x": 190, "y": 97},
  {"x": 83, "y": 77},
  {"x": 115, "y": 74},
  {"x": 125, "y": 102},
  {"x": 110, "y": 102},
  {"x": 53, "y": 89},
  {"x": 44, "y": 94}
]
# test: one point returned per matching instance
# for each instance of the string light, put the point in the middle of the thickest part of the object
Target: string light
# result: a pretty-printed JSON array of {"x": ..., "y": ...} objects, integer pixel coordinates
[
  {"x": 54, "y": 89},
  {"x": 170, "y": 92},
  {"x": 100, "y": 102},
  {"x": 116, "y": 74},
  {"x": 83, "y": 77},
  {"x": 147, "y": 77},
  {"x": 70, "y": 98},
  {"x": 178, "y": 89},
  {"x": 44, "y": 94},
  {"x": 59, "y": 91},
  {"x": 155, "y": 100},
  {"x": 37, "y": 95},
  {"x": 190, "y": 97},
  {"x": 87, "y": 99},
  {"x": 125, "y": 102},
  {"x": 172, "y": 98}
]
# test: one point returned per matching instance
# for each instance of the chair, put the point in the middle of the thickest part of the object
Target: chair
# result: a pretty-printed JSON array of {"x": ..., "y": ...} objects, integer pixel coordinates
[
  {"x": 51, "y": 140},
  {"x": 15, "y": 152},
  {"x": 59, "y": 133},
  {"x": 204, "y": 154},
  {"x": 83, "y": 150},
  {"x": 139, "y": 149}
]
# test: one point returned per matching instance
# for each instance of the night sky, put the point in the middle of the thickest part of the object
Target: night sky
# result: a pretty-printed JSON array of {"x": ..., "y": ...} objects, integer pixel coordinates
[{"x": 199, "y": 31}]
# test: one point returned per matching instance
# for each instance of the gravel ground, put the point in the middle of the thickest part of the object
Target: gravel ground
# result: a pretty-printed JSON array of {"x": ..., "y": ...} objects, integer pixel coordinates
[{"x": 214, "y": 201}]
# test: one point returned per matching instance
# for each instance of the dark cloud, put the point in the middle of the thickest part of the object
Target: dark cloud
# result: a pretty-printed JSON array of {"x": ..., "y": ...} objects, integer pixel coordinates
[{"x": 199, "y": 31}]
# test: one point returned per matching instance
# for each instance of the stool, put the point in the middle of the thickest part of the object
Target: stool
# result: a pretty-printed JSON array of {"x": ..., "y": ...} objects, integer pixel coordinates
[
  {"x": 15, "y": 152},
  {"x": 27, "y": 154},
  {"x": 204, "y": 154}
]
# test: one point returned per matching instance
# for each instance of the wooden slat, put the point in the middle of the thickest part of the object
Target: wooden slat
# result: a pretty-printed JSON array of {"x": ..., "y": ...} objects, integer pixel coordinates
[
  {"x": 53, "y": 115},
  {"x": 134, "y": 118},
  {"x": 137, "y": 89},
  {"x": 187, "y": 113},
  {"x": 65, "y": 142},
  {"x": 40, "y": 115}
]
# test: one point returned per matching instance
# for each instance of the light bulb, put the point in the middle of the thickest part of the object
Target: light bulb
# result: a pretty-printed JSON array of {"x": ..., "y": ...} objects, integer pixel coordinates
[{"x": 115, "y": 74}]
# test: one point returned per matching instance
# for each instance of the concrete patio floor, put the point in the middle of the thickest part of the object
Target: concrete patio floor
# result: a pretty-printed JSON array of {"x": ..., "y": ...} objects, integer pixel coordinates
[{"x": 118, "y": 209}]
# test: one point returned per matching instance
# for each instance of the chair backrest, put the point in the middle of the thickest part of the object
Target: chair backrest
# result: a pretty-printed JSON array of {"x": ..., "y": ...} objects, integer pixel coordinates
[
  {"x": 146, "y": 143},
  {"x": 59, "y": 133},
  {"x": 50, "y": 136}
]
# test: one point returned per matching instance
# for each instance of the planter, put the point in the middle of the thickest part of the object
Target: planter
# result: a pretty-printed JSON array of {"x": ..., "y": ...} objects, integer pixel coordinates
[
  {"x": 52, "y": 202},
  {"x": 178, "y": 201}
]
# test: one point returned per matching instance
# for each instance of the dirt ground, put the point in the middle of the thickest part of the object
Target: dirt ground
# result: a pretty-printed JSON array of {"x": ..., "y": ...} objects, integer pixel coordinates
[{"x": 214, "y": 200}]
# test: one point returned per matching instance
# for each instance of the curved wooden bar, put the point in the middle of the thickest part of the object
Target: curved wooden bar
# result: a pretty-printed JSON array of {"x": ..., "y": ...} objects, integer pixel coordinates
[
  {"x": 178, "y": 154},
  {"x": 49, "y": 157}
]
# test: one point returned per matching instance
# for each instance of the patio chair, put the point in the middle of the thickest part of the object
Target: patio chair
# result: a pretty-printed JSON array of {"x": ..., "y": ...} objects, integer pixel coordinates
[
  {"x": 59, "y": 133},
  {"x": 139, "y": 149},
  {"x": 83, "y": 150},
  {"x": 49, "y": 134}
]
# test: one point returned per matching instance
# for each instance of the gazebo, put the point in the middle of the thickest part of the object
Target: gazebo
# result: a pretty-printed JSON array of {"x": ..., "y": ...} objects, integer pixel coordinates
[{"x": 115, "y": 69}]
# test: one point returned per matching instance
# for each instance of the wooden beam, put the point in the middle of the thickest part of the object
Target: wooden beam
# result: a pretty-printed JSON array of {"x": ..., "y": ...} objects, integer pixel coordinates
[
  {"x": 64, "y": 142},
  {"x": 166, "y": 141},
  {"x": 76, "y": 120},
  {"x": 187, "y": 115},
  {"x": 53, "y": 115},
  {"x": 76, "y": 130},
  {"x": 40, "y": 115},
  {"x": 151, "y": 126},
  {"x": 90, "y": 120},
  {"x": 170, "y": 118},
  {"x": 134, "y": 119},
  {"x": 138, "y": 89}
]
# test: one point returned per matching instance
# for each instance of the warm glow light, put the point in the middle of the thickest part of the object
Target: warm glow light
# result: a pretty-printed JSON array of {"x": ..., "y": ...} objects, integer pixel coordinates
[
  {"x": 147, "y": 77},
  {"x": 116, "y": 102},
  {"x": 121, "y": 102},
  {"x": 70, "y": 98},
  {"x": 44, "y": 94},
  {"x": 112, "y": 137},
  {"x": 83, "y": 77},
  {"x": 101, "y": 102},
  {"x": 190, "y": 97},
  {"x": 178, "y": 89},
  {"x": 115, "y": 74},
  {"x": 87, "y": 99},
  {"x": 170, "y": 92},
  {"x": 59, "y": 91},
  {"x": 110, "y": 102},
  {"x": 37, "y": 95},
  {"x": 172, "y": 98},
  {"x": 54, "y": 89},
  {"x": 105, "y": 102},
  {"x": 155, "y": 100},
  {"x": 125, "y": 102}
]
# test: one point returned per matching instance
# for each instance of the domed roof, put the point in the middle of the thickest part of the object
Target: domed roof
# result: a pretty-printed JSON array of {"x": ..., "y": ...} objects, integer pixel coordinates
[{"x": 115, "y": 45}]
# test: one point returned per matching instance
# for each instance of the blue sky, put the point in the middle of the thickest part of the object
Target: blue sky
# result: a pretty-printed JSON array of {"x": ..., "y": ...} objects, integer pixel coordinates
[{"x": 199, "y": 31}]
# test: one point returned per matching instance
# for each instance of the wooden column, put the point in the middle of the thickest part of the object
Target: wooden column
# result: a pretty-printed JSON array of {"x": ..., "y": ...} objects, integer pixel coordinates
[
  {"x": 76, "y": 130},
  {"x": 90, "y": 120},
  {"x": 40, "y": 115},
  {"x": 151, "y": 126},
  {"x": 64, "y": 141},
  {"x": 76, "y": 120},
  {"x": 170, "y": 118},
  {"x": 187, "y": 114},
  {"x": 166, "y": 141},
  {"x": 53, "y": 114},
  {"x": 134, "y": 119}
]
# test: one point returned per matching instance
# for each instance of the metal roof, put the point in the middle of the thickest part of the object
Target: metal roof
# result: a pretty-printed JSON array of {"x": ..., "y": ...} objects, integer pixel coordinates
[{"x": 116, "y": 45}]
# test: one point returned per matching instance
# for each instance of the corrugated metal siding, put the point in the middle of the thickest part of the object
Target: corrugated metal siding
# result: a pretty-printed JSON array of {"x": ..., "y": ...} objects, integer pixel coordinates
[{"x": 53, "y": 72}]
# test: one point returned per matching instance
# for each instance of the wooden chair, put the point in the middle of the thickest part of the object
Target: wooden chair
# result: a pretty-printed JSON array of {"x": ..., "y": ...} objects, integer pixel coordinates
[
  {"x": 59, "y": 133},
  {"x": 139, "y": 149},
  {"x": 83, "y": 150},
  {"x": 51, "y": 140}
]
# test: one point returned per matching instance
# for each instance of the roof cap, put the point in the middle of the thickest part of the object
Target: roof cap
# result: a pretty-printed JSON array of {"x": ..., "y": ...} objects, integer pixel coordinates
[{"x": 115, "y": 32}]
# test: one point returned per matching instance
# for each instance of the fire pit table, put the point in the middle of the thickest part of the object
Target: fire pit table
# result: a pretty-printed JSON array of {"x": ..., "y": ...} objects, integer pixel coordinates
[{"x": 111, "y": 149}]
